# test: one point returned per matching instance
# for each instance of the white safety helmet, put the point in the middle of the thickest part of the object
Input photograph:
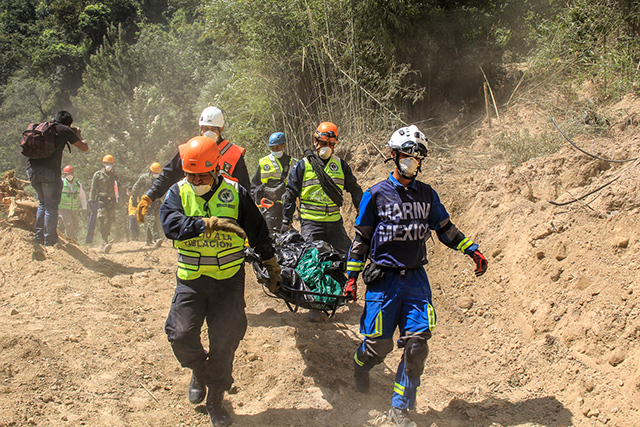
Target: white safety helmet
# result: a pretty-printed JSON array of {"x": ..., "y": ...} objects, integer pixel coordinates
[
  {"x": 410, "y": 141},
  {"x": 212, "y": 116}
]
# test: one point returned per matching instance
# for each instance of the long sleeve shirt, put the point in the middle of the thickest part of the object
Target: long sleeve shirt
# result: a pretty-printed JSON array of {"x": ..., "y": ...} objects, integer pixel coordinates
[
  {"x": 178, "y": 226},
  {"x": 394, "y": 223},
  {"x": 296, "y": 178}
]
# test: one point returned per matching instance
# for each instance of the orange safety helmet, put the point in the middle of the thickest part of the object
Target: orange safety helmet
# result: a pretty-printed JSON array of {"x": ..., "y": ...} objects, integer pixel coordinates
[
  {"x": 326, "y": 131},
  {"x": 108, "y": 159},
  {"x": 68, "y": 169},
  {"x": 155, "y": 167},
  {"x": 199, "y": 155}
]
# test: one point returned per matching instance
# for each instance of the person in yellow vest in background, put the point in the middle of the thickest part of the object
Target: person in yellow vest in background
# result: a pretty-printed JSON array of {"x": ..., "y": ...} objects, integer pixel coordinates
[
  {"x": 73, "y": 201},
  {"x": 318, "y": 180},
  {"x": 144, "y": 182},
  {"x": 134, "y": 226},
  {"x": 208, "y": 216},
  {"x": 232, "y": 163},
  {"x": 269, "y": 183},
  {"x": 102, "y": 200}
]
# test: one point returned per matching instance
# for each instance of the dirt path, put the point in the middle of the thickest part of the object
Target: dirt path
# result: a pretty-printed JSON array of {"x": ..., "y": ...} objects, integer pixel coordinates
[{"x": 548, "y": 337}]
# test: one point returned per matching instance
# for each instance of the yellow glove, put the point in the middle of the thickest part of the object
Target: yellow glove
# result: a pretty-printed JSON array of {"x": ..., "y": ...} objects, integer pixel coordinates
[
  {"x": 143, "y": 208},
  {"x": 275, "y": 273},
  {"x": 224, "y": 224}
]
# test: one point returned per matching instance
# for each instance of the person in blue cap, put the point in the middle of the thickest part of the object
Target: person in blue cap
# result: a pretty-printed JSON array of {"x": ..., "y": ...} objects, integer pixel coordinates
[
  {"x": 395, "y": 219},
  {"x": 269, "y": 183}
]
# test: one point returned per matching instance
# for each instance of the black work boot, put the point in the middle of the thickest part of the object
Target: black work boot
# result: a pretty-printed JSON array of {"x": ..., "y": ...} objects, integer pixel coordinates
[
  {"x": 218, "y": 415},
  {"x": 197, "y": 388},
  {"x": 400, "y": 417}
]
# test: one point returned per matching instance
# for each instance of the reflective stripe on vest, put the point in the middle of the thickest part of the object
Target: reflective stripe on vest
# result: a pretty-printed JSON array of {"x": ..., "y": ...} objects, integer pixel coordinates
[
  {"x": 271, "y": 168},
  {"x": 231, "y": 154},
  {"x": 218, "y": 254},
  {"x": 70, "y": 199},
  {"x": 315, "y": 205}
]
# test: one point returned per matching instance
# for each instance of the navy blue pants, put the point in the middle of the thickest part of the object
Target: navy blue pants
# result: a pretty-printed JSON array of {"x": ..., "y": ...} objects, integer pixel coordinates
[
  {"x": 331, "y": 232},
  {"x": 221, "y": 304}
]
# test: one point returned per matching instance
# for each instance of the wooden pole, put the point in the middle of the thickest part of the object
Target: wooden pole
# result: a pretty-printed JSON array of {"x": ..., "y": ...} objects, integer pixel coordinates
[{"x": 486, "y": 103}]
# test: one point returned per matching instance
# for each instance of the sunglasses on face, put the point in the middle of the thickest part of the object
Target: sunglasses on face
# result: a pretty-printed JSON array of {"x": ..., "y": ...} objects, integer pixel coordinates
[
  {"x": 414, "y": 149},
  {"x": 326, "y": 136}
]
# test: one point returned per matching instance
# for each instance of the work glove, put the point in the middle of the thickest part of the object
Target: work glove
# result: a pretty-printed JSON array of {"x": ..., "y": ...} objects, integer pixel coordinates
[
  {"x": 223, "y": 224},
  {"x": 275, "y": 273},
  {"x": 143, "y": 208},
  {"x": 286, "y": 224},
  {"x": 481, "y": 262},
  {"x": 351, "y": 290}
]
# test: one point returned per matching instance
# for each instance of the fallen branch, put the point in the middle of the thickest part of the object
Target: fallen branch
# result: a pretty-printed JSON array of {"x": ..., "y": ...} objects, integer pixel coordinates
[
  {"x": 586, "y": 195},
  {"x": 589, "y": 154}
]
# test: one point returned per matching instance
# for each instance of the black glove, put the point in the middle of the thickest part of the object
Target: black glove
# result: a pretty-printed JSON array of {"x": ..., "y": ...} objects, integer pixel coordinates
[
  {"x": 481, "y": 262},
  {"x": 286, "y": 225}
]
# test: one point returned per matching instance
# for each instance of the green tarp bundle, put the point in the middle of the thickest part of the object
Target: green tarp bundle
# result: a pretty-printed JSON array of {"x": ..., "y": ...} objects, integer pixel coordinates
[{"x": 311, "y": 270}]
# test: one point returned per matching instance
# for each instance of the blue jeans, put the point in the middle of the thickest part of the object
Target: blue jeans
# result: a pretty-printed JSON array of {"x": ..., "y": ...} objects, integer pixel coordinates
[{"x": 48, "y": 186}]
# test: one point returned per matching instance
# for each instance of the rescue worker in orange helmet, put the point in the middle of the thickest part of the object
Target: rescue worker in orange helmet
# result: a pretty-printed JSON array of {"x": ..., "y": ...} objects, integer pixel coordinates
[
  {"x": 318, "y": 181},
  {"x": 208, "y": 216},
  {"x": 232, "y": 162}
]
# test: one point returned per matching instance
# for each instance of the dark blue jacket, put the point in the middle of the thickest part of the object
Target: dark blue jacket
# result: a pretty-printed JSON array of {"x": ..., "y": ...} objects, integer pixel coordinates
[
  {"x": 394, "y": 223},
  {"x": 177, "y": 226},
  {"x": 294, "y": 187}
]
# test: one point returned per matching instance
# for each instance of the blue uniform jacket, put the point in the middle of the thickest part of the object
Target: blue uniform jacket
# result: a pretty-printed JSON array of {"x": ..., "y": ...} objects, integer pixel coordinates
[
  {"x": 395, "y": 222},
  {"x": 177, "y": 226}
]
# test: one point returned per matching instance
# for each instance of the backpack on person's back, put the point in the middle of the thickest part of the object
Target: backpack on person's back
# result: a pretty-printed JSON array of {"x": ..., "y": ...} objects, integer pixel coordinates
[{"x": 39, "y": 140}]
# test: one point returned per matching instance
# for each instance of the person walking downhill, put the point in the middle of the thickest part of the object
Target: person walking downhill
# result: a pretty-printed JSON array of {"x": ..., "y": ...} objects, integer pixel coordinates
[
  {"x": 144, "y": 182},
  {"x": 269, "y": 183},
  {"x": 318, "y": 180},
  {"x": 72, "y": 202},
  {"x": 395, "y": 220},
  {"x": 232, "y": 163},
  {"x": 134, "y": 226},
  {"x": 208, "y": 216},
  {"x": 45, "y": 177},
  {"x": 102, "y": 200}
]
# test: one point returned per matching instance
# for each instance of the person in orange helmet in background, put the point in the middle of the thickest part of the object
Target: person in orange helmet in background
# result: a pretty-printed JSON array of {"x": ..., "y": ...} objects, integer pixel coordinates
[
  {"x": 102, "y": 201},
  {"x": 208, "y": 216},
  {"x": 232, "y": 163},
  {"x": 318, "y": 180},
  {"x": 144, "y": 182}
]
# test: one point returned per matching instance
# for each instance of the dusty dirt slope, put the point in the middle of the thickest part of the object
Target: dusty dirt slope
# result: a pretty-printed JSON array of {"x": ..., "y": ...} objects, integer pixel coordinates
[{"x": 548, "y": 337}]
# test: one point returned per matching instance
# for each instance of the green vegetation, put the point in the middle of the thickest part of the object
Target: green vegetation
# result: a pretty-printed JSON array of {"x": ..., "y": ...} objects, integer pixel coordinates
[{"x": 136, "y": 73}]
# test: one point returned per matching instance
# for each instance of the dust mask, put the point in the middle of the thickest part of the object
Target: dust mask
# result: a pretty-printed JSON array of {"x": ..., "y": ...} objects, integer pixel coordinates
[
  {"x": 70, "y": 178},
  {"x": 277, "y": 154},
  {"x": 408, "y": 167},
  {"x": 211, "y": 134},
  {"x": 108, "y": 167},
  {"x": 325, "y": 152},
  {"x": 155, "y": 175},
  {"x": 201, "y": 190}
]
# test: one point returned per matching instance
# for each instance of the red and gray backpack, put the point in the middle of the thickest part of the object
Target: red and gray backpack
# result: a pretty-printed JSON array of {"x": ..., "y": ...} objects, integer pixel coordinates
[{"x": 39, "y": 140}]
